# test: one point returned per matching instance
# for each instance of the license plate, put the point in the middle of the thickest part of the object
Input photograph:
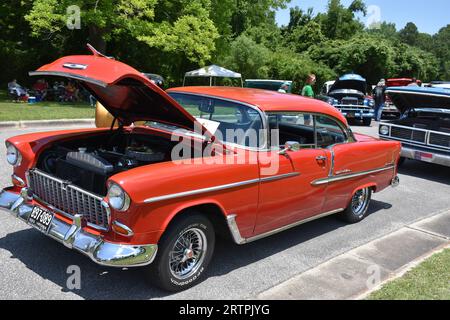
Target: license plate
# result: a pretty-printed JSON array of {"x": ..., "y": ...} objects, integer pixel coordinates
[
  {"x": 423, "y": 156},
  {"x": 40, "y": 218}
]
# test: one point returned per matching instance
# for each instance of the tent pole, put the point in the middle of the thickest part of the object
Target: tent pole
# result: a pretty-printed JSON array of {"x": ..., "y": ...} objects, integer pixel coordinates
[
  {"x": 210, "y": 81},
  {"x": 184, "y": 79},
  {"x": 242, "y": 83}
]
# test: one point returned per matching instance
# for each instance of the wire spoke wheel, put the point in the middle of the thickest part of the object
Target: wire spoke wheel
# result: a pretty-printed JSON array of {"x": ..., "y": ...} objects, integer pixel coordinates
[
  {"x": 359, "y": 201},
  {"x": 188, "y": 253}
]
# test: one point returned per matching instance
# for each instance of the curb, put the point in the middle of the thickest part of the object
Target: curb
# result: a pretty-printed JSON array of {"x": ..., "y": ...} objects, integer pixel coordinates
[
  {"x": 45, "y": 123},
  {"x": 344, "y": 277}
]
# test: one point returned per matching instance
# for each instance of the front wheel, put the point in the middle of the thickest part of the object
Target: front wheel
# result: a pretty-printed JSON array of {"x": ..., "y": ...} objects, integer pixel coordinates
[
  {"x": 357, "y": 209},
  {"x": 184, "y": 253}
]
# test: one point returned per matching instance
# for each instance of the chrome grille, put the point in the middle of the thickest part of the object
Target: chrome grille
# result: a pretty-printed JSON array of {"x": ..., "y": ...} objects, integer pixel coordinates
[
  {"x": 350, "y": 101},
  {"x": 68, "y": 199},
  {"x": 440, "y": 140},
  {"x": 408, "y": 134}
]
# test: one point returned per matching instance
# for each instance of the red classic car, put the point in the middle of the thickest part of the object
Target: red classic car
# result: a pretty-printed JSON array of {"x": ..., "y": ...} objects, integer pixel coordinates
[{"x": 122, "y": 197}]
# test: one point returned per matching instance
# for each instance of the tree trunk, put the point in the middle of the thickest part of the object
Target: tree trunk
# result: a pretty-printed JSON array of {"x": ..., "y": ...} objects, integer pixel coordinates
[{"x": 96, "y": 39}]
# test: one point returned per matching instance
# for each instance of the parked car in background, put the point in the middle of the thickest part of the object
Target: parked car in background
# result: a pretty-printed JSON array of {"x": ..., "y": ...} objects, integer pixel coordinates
[
  {"x": 120, "y": 197},
  {"x": 440, "y": 84},
  {"x": 424, "y": 128},
  {"x": 390, "y": 110},
  {"x": 271, "y": 85},
  {"x": 326, "y": 87},
  {"x": 350, "y": 96}
]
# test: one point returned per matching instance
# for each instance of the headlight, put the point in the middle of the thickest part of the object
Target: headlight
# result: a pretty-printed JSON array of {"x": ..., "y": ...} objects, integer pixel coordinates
[
  {"x": 13, "y": 155},
  {"x": 118, "y": 199},
  {"x": 384, "y": 130},
  {"x": 332, "y": 101}
]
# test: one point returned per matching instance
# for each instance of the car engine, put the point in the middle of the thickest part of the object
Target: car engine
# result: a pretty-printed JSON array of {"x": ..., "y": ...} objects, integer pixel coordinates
[{"x": 88, "y": 164}]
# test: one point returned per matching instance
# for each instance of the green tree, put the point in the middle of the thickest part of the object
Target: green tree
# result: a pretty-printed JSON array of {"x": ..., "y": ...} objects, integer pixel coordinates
[
  {"x": 340, "y": 22},
  {"x": 172, "y": 26},
  {"x": 441, "y": 49},
  {"x": 250, "y": 58},
  {"x": 409, "y": 34},
  {"x": 303, "y": 37}
]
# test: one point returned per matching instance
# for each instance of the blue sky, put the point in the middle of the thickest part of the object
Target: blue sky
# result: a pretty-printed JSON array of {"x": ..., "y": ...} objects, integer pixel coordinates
[{"x": 428, "y": 15}]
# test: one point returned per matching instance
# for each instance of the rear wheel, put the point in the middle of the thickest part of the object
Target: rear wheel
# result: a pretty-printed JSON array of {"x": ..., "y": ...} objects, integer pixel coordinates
[
  {"x": 184, "y": 253},
  {"x": 357, "y": 209}
]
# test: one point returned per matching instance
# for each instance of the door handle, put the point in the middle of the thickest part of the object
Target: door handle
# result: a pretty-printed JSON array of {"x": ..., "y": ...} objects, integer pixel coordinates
[{"x": 321, "y": 158}]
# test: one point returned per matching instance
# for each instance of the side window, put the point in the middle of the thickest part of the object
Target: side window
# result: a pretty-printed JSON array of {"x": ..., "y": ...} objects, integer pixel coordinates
[
  {"x": 297, "y": 127},
  {"x": 328, "y": 132}
]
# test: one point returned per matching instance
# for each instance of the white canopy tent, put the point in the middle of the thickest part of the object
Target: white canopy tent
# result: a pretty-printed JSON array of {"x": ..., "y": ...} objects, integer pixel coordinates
[{"x": 212, "y": 71}]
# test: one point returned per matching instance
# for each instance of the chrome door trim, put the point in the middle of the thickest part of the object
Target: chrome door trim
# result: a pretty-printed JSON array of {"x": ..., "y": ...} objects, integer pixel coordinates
[
  {"x": 220, "y": 187},
  {"x": 280, "y": 177},
  {"x": 237, "y": 237},
  {"x": 336, "y": 178}
]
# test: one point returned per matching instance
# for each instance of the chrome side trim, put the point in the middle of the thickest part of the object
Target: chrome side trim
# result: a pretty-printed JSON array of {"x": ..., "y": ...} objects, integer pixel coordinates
[
  {"x": 220, "y": 187},
  {"x": 332, "y": 179},
  {"x": 200, "y": 191},
  {"x": 280, "y": 177},
  {"x": 237, "y": 237}
]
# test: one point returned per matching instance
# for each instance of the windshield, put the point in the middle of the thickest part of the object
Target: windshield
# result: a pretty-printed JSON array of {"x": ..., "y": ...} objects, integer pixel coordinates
[{"x": 230, "y": 122}]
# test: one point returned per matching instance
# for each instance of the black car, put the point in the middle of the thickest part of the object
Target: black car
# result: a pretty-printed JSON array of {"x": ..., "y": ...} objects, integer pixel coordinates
[{"x": 424, "y": 127}]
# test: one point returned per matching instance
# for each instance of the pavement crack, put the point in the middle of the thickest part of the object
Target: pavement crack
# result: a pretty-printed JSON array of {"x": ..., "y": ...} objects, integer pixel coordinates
[{"x": 429, "y": 233}]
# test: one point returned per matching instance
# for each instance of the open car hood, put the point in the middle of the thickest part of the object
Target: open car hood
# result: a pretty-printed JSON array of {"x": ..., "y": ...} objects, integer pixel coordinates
[
  {"x": 406, "y": 98},
  {"x": 125, "y": 92},
  {"x": 350, "y": 81}
]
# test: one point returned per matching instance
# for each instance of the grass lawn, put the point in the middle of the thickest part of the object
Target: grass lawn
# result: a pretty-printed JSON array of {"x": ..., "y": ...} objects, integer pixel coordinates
[
  {"x": 428, "y": 281},
  {"x": 46, "y": 110}
]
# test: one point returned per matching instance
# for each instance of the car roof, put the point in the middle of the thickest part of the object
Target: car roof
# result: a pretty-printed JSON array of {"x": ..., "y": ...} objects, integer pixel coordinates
[
  {"x": 267, "y": 101},
  {"x": 352, "y": 76}
]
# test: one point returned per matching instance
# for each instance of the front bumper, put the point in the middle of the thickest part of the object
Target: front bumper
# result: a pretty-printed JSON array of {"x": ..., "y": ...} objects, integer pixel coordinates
[
  {"x": 75, "y": 237},
  {"x": 436, "y": 158},
  {"x": 348, "y": 111}
]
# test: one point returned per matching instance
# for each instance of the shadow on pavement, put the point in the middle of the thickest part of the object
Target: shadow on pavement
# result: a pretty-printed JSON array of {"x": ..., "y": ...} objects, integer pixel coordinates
[
  {"x": 426, "y": 171},
  {"x": 50, "y": 259}
]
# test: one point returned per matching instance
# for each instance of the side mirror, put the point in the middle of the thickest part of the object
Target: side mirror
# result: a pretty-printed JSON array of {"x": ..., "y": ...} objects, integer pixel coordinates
[{"x": 290, "y": 146}]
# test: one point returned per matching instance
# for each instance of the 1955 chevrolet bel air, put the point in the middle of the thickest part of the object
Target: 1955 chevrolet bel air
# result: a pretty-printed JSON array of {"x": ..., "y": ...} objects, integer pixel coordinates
[{"x": 186, "y": 165}]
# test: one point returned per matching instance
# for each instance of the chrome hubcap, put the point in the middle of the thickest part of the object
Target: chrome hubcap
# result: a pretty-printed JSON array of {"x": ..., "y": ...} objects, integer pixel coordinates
[
  {"x": 359, "y": 201},
  {"x": 188, "y": 253}
]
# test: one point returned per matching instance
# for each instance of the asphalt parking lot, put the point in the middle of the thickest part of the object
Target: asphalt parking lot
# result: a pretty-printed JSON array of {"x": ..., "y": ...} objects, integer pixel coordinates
[{"x": 33, "y": 266}]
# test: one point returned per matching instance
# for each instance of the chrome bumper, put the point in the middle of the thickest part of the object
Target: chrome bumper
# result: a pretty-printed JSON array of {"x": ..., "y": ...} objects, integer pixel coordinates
[
  {"x": 74, "y": 237},
  {"x": 345, "y": 110},
  {"x": 439, "y": 159}
]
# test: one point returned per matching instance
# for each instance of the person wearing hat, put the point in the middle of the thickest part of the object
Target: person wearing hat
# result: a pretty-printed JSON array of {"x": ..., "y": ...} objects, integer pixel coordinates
[
  {"x": 284, "y": 88},
  {"x": 380, "y": 97}
]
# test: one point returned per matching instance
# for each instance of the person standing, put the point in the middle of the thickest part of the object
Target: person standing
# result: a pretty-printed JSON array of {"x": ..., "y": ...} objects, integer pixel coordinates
[
  {"x": 307, "y": 90},
  {"x": 380, "y": 98}
]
